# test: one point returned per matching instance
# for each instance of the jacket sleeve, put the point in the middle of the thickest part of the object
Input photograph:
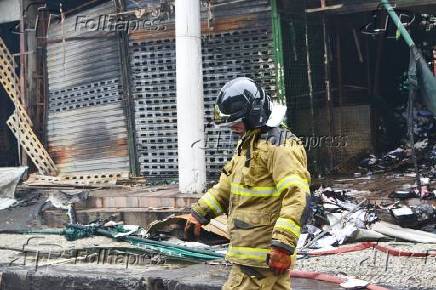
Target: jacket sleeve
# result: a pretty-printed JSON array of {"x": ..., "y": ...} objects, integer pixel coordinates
[
  {"x": 288, "y": 165},
  {"x": 216, "y": 200}
]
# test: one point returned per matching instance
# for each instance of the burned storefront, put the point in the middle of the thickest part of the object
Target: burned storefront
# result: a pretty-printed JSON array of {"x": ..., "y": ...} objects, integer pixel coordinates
[
  {"x": 343, "y": 84},
  {"x": 114, "y": 91},
  {"x": 106, "y": 85},
  {"x": 90, "y": 138},
  {"x": 348, "y": 78}
]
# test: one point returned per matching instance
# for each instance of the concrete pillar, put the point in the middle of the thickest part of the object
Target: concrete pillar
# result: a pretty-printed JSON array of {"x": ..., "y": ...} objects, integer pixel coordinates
[{"x": 190, "y": 109}]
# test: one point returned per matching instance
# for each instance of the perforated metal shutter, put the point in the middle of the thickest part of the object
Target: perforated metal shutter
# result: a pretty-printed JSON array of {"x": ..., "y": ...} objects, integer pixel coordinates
[
  {"x": 86, "y": 124},
  {"x": 239, "y": 45}
]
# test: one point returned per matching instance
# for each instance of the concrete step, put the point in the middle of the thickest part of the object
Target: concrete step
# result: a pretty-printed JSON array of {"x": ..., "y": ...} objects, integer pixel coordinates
[
  {"x": 137, "y": 205},
  {"x": 152, "y": 197},
  {"x": 58, "y": 218}
]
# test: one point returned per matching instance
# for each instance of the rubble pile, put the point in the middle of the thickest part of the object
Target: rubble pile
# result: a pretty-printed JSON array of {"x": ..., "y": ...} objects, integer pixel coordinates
[
  {"x": 343, "y": 216},
  {"x": 337, "y": 218},
  {"x": 401, "y": 158},
  {"x": 421, "y": 216}
]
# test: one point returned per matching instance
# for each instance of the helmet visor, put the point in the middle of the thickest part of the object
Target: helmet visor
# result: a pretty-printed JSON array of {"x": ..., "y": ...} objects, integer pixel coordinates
[{"x": 223, "y": 120}]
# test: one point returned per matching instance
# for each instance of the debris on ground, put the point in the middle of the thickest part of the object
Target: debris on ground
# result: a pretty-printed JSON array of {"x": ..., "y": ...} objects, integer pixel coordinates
[
  {"x": 353, "y": 283},
  {"x": 366, "y": 211},
  {"x": 414, "y": 216},
  {"x": 172, "y": 227},
  {"x": 340, "y": 218},
  {"x": 401, "y": 159},
  {"x": 404, "y": 234},
  {"x": 65, "y": 199},
  {"x": 106, "y": 180}
]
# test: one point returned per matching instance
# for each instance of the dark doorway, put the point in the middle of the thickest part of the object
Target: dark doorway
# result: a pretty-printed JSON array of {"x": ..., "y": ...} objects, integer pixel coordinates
[{"x": 8, "y": 143}]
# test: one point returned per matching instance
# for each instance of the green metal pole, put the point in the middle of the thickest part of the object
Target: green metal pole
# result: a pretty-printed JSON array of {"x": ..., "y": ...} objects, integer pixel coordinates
[
  {"x": 412, "y": 81},
  {"x": 398, "y": 23},
  {"x": 278, "y": 51}
]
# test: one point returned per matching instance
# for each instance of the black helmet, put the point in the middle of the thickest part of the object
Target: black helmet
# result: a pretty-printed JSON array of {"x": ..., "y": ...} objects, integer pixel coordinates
[{"x": 241, "y": 99}]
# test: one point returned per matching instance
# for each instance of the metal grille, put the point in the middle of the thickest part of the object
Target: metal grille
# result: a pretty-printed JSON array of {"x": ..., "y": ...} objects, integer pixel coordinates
[
  {"x": 87, "y": 131},
  {"x": 153, "y": 80},
  {"x": 226, "y": 55}
]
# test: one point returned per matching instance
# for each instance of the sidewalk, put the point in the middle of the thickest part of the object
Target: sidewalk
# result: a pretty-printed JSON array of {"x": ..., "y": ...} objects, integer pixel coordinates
[{"x": 104, "y": 277}]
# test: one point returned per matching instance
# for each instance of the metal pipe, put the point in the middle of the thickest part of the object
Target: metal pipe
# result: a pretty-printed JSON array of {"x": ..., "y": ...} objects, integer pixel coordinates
[
  {"x": 278, "y": 52},
  {"x": 327, "y": 82},
  {"x": 398, "y": 23},
  {"x": 413, "y": 86},
  {"x": 340, "y": 84},
  {"x": 190, "y": 107},
  {"x": 22, "y": 157},
  {"x": 310, "y": 85}
]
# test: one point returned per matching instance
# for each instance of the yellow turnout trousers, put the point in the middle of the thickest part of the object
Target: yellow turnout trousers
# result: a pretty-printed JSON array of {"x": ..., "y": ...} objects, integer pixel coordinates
[{"x": 249, "y": 278}]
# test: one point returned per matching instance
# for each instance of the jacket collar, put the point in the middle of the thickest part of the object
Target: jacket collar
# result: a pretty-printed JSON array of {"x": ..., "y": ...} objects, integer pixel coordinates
[{"x": 248, "y": 140}]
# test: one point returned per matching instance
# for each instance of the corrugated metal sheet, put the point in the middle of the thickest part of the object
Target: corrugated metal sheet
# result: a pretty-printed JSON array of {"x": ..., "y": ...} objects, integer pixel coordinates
[
  {"x": 70, "y": 29},
  {"x": 80, "y": 61},
  {"x": 237, "y": 43},
  {"x": 87, "y": 129},
  {"x": 76, "y": 55},
  {"x": 91, "y": 139}
]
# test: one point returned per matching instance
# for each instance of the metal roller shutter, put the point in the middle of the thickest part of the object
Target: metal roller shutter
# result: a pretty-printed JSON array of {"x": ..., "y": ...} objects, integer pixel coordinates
[{"x": 87, "y": 130}]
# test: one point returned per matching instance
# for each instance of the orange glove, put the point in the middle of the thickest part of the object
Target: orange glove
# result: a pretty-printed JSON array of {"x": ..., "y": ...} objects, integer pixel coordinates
[
  {"x": 192, "y": 229},
  {"x": 279, "y": 260}
]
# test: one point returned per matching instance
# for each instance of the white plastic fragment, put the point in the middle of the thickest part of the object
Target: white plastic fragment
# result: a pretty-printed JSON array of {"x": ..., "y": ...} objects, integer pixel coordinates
[
  {"x": 9, "y": 178},
  {"x": 6, "y": 202},
  {"x": 353, "y": 283}
]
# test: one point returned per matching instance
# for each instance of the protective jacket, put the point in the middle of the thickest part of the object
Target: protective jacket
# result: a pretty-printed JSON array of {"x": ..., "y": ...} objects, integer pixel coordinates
[{"x": 264, "y": 190}]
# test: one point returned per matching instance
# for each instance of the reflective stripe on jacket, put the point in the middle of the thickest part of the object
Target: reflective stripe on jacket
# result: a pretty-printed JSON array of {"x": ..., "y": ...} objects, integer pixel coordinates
[{"x": 264, "y": 201}]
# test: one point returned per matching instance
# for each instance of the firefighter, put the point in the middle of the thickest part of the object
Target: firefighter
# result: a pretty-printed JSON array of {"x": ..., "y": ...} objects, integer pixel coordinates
[{"x": 263, "y": 189}]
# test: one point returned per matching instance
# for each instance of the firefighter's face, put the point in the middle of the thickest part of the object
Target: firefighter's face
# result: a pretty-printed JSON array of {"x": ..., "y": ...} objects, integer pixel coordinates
[{"x": 238, "y": 128}]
